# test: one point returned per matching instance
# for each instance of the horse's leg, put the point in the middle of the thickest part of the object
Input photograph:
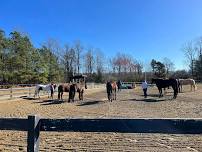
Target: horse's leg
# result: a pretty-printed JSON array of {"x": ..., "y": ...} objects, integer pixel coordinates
[
  {"x": 52, "y": 94},
  {"x": 82, "y": 95},
  {"x": 165, "y": 91},
  {"x": 35, "y": 93},
  {"x": 181, "y": 87},
  {"x": 38, "y": 94},
  {"x": 160, "y": 92},
  {"x": 61, "y": 94},
  {"x": 115, "y": 94},
  {"x": 58, "y": 95},
  {"x": 111, "y": 95},
  {"x": 73, "y": 95},
  {"x": 70, "y": 96},
  {"x": 79, "y": 95}
]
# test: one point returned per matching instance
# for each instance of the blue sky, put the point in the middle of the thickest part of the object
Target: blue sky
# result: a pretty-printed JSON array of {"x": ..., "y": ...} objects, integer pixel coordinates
[{"x": 146, "y": 29}]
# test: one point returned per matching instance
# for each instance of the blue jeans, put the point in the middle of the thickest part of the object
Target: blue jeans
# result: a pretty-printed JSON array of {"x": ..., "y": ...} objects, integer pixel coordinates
[{"x": 145, "y": 92}]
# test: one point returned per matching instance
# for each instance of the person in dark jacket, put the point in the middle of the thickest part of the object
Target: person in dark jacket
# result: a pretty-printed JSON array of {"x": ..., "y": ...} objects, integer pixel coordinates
[
  {"x": 119, "y": 84},
  {"x": 109, "y": 90}
]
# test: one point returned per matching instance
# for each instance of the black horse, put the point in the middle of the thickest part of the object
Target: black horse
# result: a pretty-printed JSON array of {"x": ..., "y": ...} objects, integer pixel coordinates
[{"x": 165, "y": 83}]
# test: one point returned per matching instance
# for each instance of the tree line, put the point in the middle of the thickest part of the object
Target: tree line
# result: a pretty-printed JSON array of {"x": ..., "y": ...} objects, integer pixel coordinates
[
  {"x": 193, "y": 53},
  {"x": 22, "y": 63}
]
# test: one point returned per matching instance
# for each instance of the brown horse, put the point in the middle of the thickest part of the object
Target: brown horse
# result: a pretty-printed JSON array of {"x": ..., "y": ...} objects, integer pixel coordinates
[
  {"x": 75, "y": 87},
  {"x": 63, "y": 88},
  {"x": 111, "y": 90},
  {"x": 72, "y": 88}
]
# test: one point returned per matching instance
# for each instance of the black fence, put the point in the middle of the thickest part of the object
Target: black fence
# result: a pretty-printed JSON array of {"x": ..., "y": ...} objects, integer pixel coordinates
[{"x": 34, "y": 125}]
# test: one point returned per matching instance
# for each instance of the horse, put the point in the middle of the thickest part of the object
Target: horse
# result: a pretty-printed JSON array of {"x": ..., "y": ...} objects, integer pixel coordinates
[
  {"x": 48, "y": 88},
  {"x": 119, "y": 84},
  {"x": 190, "y": 82},
  {"x": 111, "y": 90},
  {"x": 72, "y": 88},
  {"x": 63, "y": 88},
  {"x": 161, "y": 83},
  {"x": 75, "y": 87}
]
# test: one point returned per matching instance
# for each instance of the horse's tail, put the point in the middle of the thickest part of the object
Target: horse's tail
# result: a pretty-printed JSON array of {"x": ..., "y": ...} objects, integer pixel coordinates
[{"x": 194, "y": 85}]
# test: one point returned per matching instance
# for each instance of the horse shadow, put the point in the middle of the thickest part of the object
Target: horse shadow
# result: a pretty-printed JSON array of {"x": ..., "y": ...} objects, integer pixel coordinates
[
  {"x": 28, "y": 98},
  {"x": 50, "y": 102},
  {"x": 151, "y": 100},
  {"x": 147, "y": 99},
  {"x": 87, "y": 103}
]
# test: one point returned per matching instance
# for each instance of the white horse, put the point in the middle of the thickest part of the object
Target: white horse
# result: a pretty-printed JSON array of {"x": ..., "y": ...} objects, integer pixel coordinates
[
  {"x": 48, "y": 88},
  {"x": 190, "y": 82}
]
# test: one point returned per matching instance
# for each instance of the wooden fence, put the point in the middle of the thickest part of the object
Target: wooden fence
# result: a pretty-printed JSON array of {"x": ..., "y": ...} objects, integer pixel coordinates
[
  {"x": 14, "y": 92},
  {"x": 33, "y": 125}
]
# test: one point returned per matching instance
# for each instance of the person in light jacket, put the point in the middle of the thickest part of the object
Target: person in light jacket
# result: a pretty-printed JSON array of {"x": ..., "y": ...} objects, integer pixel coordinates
[{"x": 144, "y": 87}]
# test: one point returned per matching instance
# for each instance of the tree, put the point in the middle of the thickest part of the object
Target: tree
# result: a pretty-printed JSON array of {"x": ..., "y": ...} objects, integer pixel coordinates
[
  {"x": 68, "y": 62},
  {"x": 158, "y": 68},
  {"x": 190, "y": 55},
  {"x": 198, "y": 67},
  {"x": 3, "y": 45},
  {"x": 78, "y": 50},
  {"x": 153, "y": 65},
  {"x": 182, "y": 74},
  {"x": 89, "y": 61},
  {"x": 169, "y": 65}
]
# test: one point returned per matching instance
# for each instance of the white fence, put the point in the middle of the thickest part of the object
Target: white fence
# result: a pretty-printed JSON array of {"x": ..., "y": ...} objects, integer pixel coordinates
[{"x": 17, "y": 92}]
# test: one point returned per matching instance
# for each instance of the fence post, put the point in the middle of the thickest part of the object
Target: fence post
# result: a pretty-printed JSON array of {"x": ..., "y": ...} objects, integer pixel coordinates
[
  {"x": 33, "y": 134},
  {"x": 29, "y": 91},
  {"x": 11, "y": 93}
]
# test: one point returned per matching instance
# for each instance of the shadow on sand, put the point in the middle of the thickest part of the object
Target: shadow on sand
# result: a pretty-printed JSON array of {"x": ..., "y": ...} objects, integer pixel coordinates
[
  {"x": 87, "y": 103},
  {"x": 28, "y": 98},
  {"x": 50, "y": 102},
  {"x": 148, "y": 99}
]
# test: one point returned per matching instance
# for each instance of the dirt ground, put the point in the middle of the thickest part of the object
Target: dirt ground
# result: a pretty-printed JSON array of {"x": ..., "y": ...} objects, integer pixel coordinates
[{"x": 129, "y": 104}]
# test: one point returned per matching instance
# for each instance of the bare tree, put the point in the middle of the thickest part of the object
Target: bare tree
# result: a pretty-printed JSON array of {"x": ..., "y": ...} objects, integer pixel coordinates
[
  {"x": 89, "y": 61},
  {"x": 78, "y": 50},
  {"x": 190, "y": 54},
  {"x": 198, "y": 46},
  {"x": 99, "y": 61},
  {"x": 68, "y": 61},
  {"x": 169, "y": 65}
]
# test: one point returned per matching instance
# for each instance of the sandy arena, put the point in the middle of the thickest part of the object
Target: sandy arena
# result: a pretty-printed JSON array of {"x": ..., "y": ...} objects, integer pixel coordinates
[{"x": 129, "y": 104}]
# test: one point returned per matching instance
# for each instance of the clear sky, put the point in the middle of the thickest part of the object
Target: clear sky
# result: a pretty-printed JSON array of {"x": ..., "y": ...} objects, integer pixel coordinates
[{"x": 145, "y": 29}]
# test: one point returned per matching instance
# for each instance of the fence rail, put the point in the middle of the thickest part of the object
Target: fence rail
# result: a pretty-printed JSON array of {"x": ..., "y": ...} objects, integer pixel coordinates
[
  {"x": 13, "y": 92},
  {"x": 33, "y": 125}
]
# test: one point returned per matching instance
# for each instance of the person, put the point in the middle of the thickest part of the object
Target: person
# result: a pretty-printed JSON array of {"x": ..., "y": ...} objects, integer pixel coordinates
[
  {"x": 109, "y": 90},
  {"x": 119, "y": 84},
  {"x": 144, "y": 87},
  {"x": 52, "y": 89}
]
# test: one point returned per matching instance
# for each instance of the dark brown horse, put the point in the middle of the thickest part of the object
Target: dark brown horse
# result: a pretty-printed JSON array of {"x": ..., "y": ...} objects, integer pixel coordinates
[
  {"x": 165, "y": 83},
  {"x": 72, "y": 88}
]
